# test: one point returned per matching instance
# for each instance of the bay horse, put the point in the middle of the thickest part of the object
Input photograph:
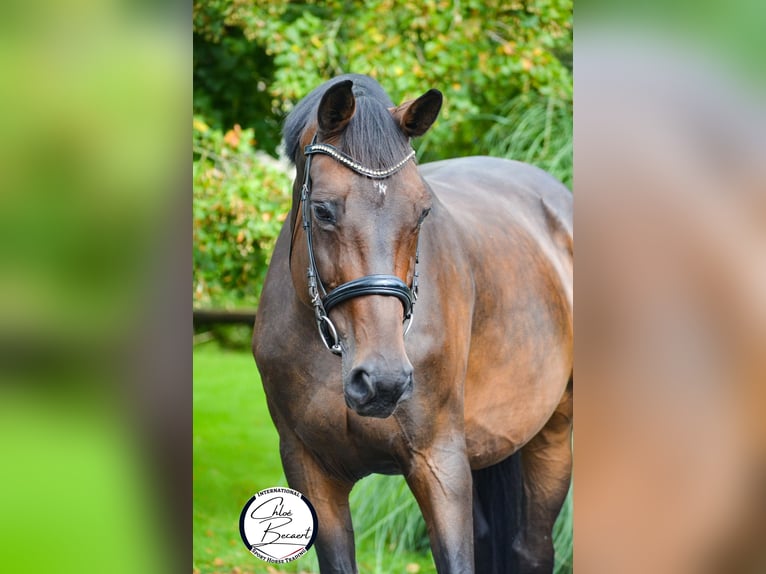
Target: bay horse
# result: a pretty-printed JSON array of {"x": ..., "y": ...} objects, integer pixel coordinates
[{"x": 417, "y": 320}]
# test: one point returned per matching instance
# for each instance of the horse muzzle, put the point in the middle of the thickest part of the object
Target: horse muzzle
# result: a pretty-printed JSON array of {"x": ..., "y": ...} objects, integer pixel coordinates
[{"x": 372, "y": 392}]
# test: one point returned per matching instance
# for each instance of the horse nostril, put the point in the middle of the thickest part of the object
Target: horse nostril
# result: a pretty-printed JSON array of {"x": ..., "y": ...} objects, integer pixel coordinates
[{"x": 360, "y": 388}]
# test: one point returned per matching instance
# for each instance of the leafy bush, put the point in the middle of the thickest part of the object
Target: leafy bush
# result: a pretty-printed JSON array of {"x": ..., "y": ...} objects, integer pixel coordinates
[
  {"x": 241, "y": 198},
  {"x": 231, "y": 77},
  {"x": 481, "y": 54},
  {"x": 504, "y": 67}
]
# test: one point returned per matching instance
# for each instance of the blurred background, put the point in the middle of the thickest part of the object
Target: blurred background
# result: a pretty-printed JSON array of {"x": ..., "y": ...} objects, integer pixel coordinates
[
  {"x": 670, "y": 276},
  {"x": 95, "y": 367},
  {"x": 506, "y": 73}
]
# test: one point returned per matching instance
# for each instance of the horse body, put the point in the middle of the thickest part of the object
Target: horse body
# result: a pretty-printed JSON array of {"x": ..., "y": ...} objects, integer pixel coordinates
[
  {"x": 490, "y": 353},
  {"x": 520, "y": 356}
]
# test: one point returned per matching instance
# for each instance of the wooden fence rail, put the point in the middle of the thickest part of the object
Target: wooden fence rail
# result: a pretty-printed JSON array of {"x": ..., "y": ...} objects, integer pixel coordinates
[{"x": 224, "y": 317}]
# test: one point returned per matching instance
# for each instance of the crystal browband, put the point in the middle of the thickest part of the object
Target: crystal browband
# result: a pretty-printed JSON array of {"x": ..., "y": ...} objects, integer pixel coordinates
[{"x": 349, "y": 162}]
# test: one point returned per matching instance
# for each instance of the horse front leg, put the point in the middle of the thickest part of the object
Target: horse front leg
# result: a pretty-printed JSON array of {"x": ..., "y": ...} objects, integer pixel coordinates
[
  {"x": 329, "y": 497},
  {"x": 440, "y": 480}
]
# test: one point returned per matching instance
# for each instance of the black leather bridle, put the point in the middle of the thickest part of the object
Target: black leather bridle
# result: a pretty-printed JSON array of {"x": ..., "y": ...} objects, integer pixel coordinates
[{"x": 389, "y": 285}]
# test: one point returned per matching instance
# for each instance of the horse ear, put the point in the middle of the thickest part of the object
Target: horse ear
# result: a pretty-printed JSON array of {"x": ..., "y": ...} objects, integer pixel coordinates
[
  {"x": 416, "y": 116},
  {"x": 336, "y": 108}
]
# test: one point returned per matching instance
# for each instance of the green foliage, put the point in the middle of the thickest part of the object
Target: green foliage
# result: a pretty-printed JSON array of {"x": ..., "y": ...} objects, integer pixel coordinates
[
  {"x": 563, "y": 538},
  {"x": 241, "y": 199},
  {"x": 230, "y": 86},
  {"x": 386, "y": 513},
  {"x": 533, "y": 129},
  {"x": 504, "y": 68},
  {"x": 481, "y": 54}
]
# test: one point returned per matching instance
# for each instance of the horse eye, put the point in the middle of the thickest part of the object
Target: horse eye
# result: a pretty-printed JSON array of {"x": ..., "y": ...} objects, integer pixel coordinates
[
  {"x": 424, "y": 215},
  {"x": 323, "y": 213}
]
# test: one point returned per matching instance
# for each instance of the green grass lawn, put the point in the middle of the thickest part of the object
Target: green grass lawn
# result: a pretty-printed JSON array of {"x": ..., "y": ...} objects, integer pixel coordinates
[{"x": 236, "y": 453}]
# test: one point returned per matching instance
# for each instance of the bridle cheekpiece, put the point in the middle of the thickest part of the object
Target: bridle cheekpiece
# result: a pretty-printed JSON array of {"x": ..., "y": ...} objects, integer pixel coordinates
[{"x": 388, "y": 285}]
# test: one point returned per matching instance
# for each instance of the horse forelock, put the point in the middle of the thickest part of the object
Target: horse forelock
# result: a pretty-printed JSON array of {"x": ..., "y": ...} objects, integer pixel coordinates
[{"x": 372, "y": 137}]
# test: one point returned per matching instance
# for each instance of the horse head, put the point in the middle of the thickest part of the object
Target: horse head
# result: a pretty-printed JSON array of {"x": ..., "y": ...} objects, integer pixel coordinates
[{"x": 357, "y": 214}]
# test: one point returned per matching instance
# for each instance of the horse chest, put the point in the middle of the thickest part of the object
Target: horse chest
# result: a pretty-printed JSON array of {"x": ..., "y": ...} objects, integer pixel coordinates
[{"x": 345, "y": 443}]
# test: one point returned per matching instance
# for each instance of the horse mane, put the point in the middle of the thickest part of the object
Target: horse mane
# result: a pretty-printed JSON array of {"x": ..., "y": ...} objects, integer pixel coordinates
[{"x": 372, "y": 137}]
